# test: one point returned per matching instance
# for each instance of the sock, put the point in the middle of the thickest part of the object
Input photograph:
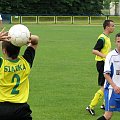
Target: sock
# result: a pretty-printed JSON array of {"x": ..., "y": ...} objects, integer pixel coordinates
[
  {"x": 98, "y": 95},
  {"x": 102, "y": 118}
]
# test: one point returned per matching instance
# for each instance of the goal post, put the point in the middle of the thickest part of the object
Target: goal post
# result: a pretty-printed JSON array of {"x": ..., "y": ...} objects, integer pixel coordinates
[
  {"x": 46, "y": 19},
  {"x": 80, "y": 19},
  {"x": 29, "y": 19},
  {"x": 15, "y": 19},
  {"x": 64, "y": 19},
  {"x": 97, "y": 19},
  {"x": 116, "y": 19}
]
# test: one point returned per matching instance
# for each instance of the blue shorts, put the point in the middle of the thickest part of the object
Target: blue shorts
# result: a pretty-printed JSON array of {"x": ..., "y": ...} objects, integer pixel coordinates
[{"x": 112, "y": 100}]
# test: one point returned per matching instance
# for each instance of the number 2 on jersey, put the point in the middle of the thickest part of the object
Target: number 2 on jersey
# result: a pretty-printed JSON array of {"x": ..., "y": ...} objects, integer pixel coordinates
[{"x": 16, "y": 79}]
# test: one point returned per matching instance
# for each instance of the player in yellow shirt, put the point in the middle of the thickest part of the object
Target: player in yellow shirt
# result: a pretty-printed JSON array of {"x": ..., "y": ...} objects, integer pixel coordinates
[
  {"x": 101, "y": 49},
  {"x": 14, "y": 82}
]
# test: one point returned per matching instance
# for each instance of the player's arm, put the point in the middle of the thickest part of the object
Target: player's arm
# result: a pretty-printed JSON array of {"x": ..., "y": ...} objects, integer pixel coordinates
[
  {"x": 96, "y": 52},
  {"x": 99, "y": 45},
  {"x": 110, "y": 81},
  {"x": 29, "y": 53},
  {"x": 4, "y": 35}
]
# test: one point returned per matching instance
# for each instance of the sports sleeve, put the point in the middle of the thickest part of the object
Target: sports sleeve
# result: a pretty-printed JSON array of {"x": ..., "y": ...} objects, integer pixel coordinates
[
  {"x": 29, "y": 55},
  {"x": 99, "y": 45},
  {"x": 108, "y": 64}
]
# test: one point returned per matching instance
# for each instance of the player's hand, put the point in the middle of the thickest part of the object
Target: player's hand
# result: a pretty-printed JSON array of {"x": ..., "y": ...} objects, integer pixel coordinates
[
  {"x": 117, "y": 89},
  {"x": 4, "y": 35},
  {"x": 34, "y": 39}
]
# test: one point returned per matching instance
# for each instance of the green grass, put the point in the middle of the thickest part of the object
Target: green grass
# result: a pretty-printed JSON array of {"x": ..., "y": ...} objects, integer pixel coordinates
[{"x": 63, "y": 79}]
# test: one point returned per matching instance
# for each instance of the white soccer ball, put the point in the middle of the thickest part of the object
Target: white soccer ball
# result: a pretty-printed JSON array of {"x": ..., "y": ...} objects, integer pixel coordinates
[{"x": 19, "y": 34}]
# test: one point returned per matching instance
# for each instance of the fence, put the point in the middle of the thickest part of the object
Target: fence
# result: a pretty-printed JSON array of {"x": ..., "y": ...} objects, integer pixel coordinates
[{"x": 84, "y": 20}]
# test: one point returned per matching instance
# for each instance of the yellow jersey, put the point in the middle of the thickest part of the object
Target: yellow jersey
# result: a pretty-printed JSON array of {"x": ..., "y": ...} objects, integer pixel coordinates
[
  {"x": 14, "y": 83},
  {"x": 106, "y": 47}
]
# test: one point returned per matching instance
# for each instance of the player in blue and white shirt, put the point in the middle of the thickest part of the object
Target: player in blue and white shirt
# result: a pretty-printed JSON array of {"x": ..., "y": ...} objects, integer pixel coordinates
[{"x": 112, "y": 81}]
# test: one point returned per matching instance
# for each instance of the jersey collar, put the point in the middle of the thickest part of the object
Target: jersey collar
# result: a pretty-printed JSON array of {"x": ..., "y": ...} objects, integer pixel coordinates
[
  {"x": 117, "y": 50},
  {"x": 15, "y": 61},
  {"x": 105, "y": 34}
]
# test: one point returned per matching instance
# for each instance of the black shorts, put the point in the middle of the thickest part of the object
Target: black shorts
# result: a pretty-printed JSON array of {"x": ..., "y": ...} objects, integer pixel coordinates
[
  {"x": 100, "y": 69},
  {"x": 15, "y": 111}
]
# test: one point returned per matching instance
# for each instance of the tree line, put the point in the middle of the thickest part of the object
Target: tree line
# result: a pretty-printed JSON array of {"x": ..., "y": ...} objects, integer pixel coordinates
[{"x": 52, "y": 7}]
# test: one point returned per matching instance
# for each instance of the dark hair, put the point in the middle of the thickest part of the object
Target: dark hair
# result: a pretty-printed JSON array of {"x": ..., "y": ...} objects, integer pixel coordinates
[
  {"x": 107, "y": 23},
  {"x": 117, "y": 35},
  {"x": 12, "y": 51}
]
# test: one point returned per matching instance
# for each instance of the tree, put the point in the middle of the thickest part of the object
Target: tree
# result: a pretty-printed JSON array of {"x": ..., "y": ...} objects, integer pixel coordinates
[{"x": 52, "y": 7}]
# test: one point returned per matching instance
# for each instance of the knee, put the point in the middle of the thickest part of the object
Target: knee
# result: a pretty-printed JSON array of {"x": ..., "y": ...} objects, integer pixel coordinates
[{"x": 108, "y": 116}]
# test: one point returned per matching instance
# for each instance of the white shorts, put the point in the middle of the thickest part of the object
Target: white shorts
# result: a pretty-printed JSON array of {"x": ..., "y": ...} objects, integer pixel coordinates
[{"x": 112, "y": 100}]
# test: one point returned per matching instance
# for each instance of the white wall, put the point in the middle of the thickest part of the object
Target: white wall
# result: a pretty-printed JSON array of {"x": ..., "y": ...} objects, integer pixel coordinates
[{"x": 114, "y": 10}]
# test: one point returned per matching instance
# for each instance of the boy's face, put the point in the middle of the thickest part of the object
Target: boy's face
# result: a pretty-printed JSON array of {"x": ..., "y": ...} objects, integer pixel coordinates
[
  {"x": 111, "y": 27},
  {"x": 118, "y": 42}
]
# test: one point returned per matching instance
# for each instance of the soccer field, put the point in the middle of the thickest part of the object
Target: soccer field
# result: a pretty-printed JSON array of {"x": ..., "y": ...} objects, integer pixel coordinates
[{"x": 63, "y": 79}]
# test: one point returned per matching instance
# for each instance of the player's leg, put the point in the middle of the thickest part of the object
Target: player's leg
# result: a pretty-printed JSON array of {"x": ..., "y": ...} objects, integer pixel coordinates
[
  {"x": 102, "y": 118},
  {"x": 110, "y": 100},
  {"x": 24, "y": 112},
  {"x": 99, "y": 94},
  {"x": 94, "y": 101},
  {"x": 107, "y": 116}
]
